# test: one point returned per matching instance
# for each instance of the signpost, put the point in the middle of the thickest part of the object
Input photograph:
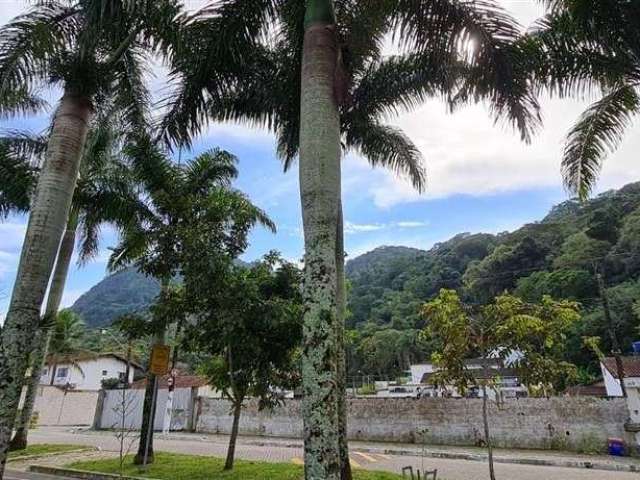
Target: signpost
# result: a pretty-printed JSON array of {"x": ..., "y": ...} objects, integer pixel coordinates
[{"x": 158, "y": 366}]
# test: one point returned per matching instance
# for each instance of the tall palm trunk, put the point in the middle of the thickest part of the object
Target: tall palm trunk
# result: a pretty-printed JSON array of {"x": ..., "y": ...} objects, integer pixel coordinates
[
  {"x": 320, "y": 195},
  {"x": 49, "y": 214},
  {"x": 41, "y": 343},
  {"x": 345, "y": 464},
  {"x": 149, "y": 412}
]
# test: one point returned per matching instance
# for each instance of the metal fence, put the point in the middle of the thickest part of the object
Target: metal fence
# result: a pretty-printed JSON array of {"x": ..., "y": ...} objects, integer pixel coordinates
[{"x": 126, "y": 405}]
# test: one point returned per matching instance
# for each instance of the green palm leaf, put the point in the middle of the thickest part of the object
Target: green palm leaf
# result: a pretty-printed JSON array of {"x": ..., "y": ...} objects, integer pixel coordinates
[{"x": 599, "y": 130}]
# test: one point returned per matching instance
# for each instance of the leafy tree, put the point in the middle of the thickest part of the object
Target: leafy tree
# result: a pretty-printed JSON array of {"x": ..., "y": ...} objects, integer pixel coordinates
[
  {"x": 91, "y": 50},
  {"x": 250, "y": 323},
  {"x": 581, "y": 252},
  {"x": 534, "y": 332},
  {"x": 181, "y": 198},
  {"x": 590, "y": 44}
]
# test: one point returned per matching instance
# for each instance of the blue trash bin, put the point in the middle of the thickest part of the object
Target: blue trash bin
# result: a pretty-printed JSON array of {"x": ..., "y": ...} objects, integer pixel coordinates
[{"x": 617, "y": 447}]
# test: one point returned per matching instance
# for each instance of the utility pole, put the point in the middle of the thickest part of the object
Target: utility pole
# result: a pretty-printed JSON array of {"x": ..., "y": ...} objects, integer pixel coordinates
[{"x": 615, "y": 345}]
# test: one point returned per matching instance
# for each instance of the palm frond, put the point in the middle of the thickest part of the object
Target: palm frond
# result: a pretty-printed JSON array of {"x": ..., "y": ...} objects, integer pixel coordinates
[
  {"x": 389, "y": 147},
  {"x": 30, "y": 41},
  {"x": 482, "y": 35},
  {"x": 599, "y": 131},
  {"x": 20, "y": 101},
  {"x": 211, "y": 168},
  {"x": 17, "y": 182}
]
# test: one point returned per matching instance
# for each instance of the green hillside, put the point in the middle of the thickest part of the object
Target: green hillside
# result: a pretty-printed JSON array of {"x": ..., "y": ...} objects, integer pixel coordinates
[
  {"x": 557, "y": 256},
  {"x": 123, "y": 292}
]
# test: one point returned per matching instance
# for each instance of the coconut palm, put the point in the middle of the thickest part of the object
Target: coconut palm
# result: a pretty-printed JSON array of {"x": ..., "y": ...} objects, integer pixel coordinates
[
  {"x": 104, "y": 194},
  {"x": 590, "y": 45},
  {"x": 323, "y": 85},
  {"x": 88, "y": 49},
  {"x": 179, "y": 196}
]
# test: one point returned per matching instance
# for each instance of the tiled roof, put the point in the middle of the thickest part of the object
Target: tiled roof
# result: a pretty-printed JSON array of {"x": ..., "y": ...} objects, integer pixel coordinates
[
  {"x": 587, "y": 391},
  {"x": 630, "y": 366},
  {"x": 182, "y": 381}
]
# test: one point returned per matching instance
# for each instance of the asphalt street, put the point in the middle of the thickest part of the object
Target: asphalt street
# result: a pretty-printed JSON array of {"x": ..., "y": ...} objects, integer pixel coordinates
[{"x": 216, "y": 446}]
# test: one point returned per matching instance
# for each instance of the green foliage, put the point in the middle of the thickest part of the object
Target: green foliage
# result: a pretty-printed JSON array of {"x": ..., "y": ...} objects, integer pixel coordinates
[
  {"x": 535, "y": 332},
  {"x": 249, "y": 324}
]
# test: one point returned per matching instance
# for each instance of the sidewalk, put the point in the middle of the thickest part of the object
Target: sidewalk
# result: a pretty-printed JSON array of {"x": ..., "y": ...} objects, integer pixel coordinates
[{"x": 509, "y": 456}]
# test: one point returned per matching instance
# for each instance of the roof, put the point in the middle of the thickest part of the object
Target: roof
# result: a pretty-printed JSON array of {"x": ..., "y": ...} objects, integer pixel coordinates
[
  {"x": 630, "y": 366},
  {"x": 182, "y": 381},
  {"x": 89, "y": 356},
  {"x": 594, "y": 390}
]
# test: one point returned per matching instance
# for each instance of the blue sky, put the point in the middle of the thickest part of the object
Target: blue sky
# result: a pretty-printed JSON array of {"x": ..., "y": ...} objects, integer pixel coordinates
[{"x": 481, "y": 178}]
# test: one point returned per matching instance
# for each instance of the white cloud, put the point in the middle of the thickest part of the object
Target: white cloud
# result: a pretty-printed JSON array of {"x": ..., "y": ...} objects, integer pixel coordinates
[
  {"x": 412, "y": 224},
  {"x": 354, "y": 228},
  {"x": 350, "y": 227}
]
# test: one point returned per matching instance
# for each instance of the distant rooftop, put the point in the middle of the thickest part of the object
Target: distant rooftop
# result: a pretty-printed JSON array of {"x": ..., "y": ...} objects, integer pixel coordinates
[{"x": 630, "y": 365}]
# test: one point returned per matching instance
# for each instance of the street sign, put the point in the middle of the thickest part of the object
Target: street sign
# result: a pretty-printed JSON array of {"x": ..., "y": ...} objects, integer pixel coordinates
[{"x": 159, "y": 364}]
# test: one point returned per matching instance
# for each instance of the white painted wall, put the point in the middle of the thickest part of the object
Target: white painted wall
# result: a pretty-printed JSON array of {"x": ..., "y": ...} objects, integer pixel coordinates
[
  {"x": 419, "y": 370},
  {"x": 612, "y": 384},
  {"x": 86, "y": 374}
]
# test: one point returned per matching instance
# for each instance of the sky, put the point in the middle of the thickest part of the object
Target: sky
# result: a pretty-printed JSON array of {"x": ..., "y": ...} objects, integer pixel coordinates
[{"x": 481, "y": 178}]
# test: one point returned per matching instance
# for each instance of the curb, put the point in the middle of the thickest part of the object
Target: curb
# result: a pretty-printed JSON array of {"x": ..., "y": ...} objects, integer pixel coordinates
[
  {"x": 22, "y": 458},
  {"x": 587, "y": 464},
  {"x": 479, "y": 457},
  {"x": 82, "y": 474}
]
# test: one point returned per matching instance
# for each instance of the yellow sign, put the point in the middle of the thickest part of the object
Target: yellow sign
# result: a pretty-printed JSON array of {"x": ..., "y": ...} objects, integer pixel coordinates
[{"x": 159, "y": 363}]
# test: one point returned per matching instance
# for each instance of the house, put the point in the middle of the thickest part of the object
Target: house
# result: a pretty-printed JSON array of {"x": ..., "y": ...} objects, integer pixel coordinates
[
  {"x": 630, "y": 368},
  {"x": 631, "y": 372},
  {"x": 508, "y": 383},
  {"x": 86, "y": 371}
]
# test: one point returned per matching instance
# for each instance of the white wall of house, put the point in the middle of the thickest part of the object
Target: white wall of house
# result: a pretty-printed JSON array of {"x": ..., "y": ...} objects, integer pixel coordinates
[
  {"x": 418, "y": 371},
  {"x": 85, "y": 374},
  {"x": 612, "y": 384}
]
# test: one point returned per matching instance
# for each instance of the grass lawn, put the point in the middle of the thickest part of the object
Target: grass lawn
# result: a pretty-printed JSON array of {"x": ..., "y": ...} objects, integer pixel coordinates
[
  {"x": 46, "y": 449},
  {"x": 172, "y": 466}
]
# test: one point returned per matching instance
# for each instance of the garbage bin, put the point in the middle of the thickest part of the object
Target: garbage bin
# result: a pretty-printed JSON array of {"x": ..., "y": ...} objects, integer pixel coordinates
[{"x": 617, "y": 447}]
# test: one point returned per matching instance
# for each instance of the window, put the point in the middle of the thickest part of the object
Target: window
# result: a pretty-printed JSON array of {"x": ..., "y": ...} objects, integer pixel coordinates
[
  {"x": 104, "y": 373},
  {"x": 121, "y": 375},
  {"x": 62, "y": 373},
  {"x": 45, "y": 371}
]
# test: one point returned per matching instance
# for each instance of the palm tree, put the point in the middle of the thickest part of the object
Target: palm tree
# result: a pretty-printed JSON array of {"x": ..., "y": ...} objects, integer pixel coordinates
[
  {"x": 66, "y": 339},
  {"x": 197, "y": 192},
  {"x": 104, "y": 194},
  {"x": 586, "y": 45},
  {"x": 463, "y": 51},
  {"x": 90, "y": 49}
]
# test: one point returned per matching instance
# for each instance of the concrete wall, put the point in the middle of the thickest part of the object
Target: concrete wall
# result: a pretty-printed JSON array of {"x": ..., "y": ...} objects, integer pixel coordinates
[
  {"x": 55, "y": 407},
  {"x": 560, "y": 423}
]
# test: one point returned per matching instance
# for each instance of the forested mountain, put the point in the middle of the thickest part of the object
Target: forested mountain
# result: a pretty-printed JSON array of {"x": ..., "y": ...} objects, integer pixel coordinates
[
  {"x": 558, "y": 256},
  {"x": 123, "y": 292}
]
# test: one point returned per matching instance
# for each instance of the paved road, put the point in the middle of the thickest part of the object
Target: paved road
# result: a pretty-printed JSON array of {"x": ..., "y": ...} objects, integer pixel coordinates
[{"x": 449, "y": 469}]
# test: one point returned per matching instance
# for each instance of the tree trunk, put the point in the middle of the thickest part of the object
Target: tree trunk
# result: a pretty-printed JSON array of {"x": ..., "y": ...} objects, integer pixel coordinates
[
  {"x": 320, "y": 194},
  {"x": 487, "y": 436},
  {"x": 341, "y": 295},
  {"x": 148, "y": 413},
  {"x": 231, "y": 451},
  {"x": 41, "y": 342},
  {"x": 47, "y": 220}
]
